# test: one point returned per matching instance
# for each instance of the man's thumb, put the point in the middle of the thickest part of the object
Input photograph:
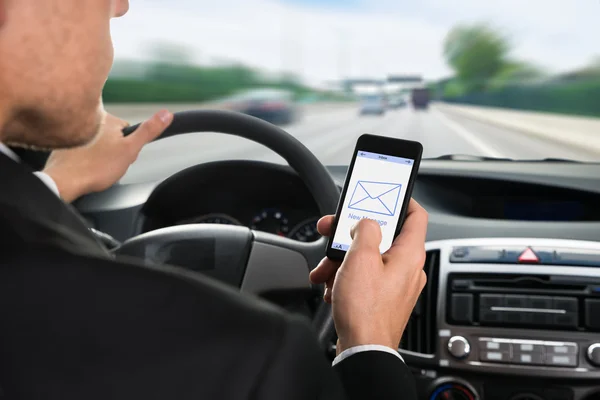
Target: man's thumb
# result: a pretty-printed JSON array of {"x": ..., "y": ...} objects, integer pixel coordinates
[{"x": 366, "y": 233}]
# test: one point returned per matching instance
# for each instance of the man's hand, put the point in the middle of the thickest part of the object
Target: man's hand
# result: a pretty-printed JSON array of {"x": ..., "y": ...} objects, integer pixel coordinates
[
  {"x": 100, "y": 164},
  {"x": 373, "y": 295}
]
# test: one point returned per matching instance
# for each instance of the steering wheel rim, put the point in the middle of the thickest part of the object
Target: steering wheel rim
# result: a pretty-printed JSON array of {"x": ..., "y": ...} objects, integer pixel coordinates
[{"x": 312, "y": 172}]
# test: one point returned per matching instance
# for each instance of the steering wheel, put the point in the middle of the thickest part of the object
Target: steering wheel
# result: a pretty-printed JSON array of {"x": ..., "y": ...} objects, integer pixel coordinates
[{"x": 258, "y": 262}]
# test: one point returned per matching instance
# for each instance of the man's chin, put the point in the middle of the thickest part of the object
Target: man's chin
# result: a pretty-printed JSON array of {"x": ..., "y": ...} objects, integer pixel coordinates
[{"x": 54, "y": 135}]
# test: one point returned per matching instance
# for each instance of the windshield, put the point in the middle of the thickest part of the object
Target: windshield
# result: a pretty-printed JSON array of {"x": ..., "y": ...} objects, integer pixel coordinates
[{"x": 495, "y": 79}]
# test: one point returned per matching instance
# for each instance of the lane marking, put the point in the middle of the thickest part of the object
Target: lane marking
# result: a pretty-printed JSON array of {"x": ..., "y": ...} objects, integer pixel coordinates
[{"x": 468, "y": 136}]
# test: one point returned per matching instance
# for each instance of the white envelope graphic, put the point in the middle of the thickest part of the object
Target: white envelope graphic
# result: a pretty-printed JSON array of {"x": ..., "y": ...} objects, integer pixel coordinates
[{"x": 376, "y": 197}]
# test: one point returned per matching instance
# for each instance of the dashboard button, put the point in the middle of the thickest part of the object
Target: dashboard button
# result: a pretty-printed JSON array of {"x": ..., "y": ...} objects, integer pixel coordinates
[
  {"x": 460, "y": 284},
  {"x": 494, "y": 356},
  {"x": 539, "y": 302},
  {"x": 592, "y": 314},
  {"x": 477, "y": 254},
  {"x": 528, "y": 348},
  {"x": 460, "y": 252},
  {"x": 515, "y": 301},
  {"x": 541, "y": 319},
  {"x": 561, "y": 360},
  {"x": 491, "y": 300},
  {"x": 578, "y": 257},
  {"x": 568, "y": 320},
  {"x": 565, "y": 303},
  {"x": 529, "y": 256},
  {"x": 567, "y": 348},
  {"x": 462, "y": 308},
  {"x": 515, "y": 318},
  {"x": 528, "y": 358},
  {"x": 486, "y": 344},
  {"x": 487, "y": 316}
]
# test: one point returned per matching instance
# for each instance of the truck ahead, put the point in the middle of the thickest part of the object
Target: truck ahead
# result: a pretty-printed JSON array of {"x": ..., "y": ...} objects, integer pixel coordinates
[{"x": 420, "y": 98}]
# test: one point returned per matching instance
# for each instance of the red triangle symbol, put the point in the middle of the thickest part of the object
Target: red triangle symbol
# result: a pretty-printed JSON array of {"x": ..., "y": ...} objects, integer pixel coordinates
[{"x": 528, "y": 256}]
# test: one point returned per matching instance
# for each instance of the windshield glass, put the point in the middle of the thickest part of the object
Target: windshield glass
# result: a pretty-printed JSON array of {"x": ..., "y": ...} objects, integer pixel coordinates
[{"x": 495, "y": 78}]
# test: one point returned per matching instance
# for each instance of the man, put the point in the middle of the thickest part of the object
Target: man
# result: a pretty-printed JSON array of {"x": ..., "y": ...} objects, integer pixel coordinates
[{"x": 78, "y": 325}]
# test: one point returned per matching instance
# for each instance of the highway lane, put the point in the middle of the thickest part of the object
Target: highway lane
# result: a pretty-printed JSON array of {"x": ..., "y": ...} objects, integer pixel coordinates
[{"x": 331, "y": 135}]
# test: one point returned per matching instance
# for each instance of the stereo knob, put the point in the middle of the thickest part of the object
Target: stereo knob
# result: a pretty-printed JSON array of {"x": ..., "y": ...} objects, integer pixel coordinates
[
  {"x": 593, "y": 354},
  {"x": 459, "y": 347}
]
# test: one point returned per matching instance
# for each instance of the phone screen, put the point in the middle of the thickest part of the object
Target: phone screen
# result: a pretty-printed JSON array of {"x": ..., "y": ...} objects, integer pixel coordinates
[{"x": 376, "y": 190}]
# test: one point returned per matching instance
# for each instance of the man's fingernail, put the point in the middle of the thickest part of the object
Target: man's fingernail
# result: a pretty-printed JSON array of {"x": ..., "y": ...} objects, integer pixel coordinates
[{"x": 164, "y": 116}]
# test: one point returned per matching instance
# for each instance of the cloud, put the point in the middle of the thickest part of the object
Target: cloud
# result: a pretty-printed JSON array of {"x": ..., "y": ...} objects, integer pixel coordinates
[{"x": 373, "y": 39}]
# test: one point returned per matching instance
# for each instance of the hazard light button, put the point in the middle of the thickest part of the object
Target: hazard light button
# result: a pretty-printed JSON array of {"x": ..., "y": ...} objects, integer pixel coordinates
[{"x": 529, "y": 256}]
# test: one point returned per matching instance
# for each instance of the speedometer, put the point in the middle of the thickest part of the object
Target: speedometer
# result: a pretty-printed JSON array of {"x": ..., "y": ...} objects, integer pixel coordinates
[
  {"x": 270, "y": 220},
  {"x": 306, "y": 231},
  {"x": 222, "y": 219}
]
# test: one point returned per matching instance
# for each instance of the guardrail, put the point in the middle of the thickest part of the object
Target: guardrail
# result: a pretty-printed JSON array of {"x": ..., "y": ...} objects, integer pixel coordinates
[{"x": 582, "y": 133}]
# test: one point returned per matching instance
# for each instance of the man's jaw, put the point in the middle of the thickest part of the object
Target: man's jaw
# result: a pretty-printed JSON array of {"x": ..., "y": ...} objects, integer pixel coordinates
[{"x": 31, "y": 131}]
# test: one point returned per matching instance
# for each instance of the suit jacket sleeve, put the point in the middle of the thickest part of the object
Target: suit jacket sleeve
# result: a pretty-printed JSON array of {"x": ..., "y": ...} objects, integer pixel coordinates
[{"x": 298, "y": 370}]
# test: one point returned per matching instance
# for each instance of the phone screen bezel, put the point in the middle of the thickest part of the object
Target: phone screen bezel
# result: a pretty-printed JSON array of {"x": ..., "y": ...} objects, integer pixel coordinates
[{"x": 386, "y": 146}]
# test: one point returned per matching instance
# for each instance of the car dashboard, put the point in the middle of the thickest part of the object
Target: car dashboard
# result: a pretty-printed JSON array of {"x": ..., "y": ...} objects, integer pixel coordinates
[
  {"x": 511, "y": 309},
  {"x": 256, "y": 195}
]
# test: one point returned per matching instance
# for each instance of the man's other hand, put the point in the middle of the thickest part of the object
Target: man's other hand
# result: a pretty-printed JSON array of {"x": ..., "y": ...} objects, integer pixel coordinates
[
  {"x": 100, "y": 164},
  {"x": 373, "y": 295}
]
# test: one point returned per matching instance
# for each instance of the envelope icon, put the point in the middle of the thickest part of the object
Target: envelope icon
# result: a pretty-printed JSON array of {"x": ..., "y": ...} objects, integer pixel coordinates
[{"x": 376, "y": 197}]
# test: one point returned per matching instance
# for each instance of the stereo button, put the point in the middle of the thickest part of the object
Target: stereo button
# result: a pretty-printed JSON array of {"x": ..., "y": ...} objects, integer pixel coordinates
[
  {"x": 492, "y": 345},
  {"x": 528, "y": 348},
  {"x": 567, "y": 348},
  {"x": 568, "y": 304},
  {"x": 592, "y": 314},
  {"x": 540, "y": 302},
  {"x": 489, "y": 317},
  {"x": 568, "y": 320},
  {"x": 561, "y": 360},
  {"x": 494, "y": 356},
  {"x": 488, "y": 301},
  {"x": 528, "y": 358},
  {"x": 462, "y": 308}
]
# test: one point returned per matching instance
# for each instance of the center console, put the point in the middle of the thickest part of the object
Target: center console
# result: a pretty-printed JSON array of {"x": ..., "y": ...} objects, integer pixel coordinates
[{"x": 515, "y": 319}]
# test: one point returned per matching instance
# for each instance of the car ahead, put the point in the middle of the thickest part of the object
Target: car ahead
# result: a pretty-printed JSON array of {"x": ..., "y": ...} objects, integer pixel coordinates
[
  {"x": 396, "y": 102},
  {"x": 373, "y": 104},
  {"x": 272, "y": 105}
]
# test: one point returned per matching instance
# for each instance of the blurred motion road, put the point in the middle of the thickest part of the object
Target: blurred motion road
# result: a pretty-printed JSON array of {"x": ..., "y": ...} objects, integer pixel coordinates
[{"x": 331, "y": 132}]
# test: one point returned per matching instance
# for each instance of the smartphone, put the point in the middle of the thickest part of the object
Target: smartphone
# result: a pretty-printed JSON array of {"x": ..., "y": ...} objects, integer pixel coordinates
[{"x": 378, "y": 186}]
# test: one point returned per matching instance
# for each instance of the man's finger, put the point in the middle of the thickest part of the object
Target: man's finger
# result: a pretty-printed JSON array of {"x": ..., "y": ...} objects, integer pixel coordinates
[
  {"x": 151, "y": 129},
  {"x": 414, "y": 230},
  {"x": 324, "y": 271},
  {"x": 366, "y": 233},
  {"x": 325, "y": 225}
]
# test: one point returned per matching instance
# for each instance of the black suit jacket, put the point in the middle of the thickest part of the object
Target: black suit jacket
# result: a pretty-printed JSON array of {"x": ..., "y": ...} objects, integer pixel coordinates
[{"x": 76, "y": 324}]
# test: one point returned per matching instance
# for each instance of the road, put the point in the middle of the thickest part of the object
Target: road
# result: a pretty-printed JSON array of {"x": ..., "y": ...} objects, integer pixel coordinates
[{"x": 331, "y": 135}]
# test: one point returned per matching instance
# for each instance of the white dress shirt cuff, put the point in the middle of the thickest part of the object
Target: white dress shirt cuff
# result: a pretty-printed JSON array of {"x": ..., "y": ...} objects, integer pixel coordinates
[
  {"x": 367, "y": 347},
  {"x": 48, "y": 181}
]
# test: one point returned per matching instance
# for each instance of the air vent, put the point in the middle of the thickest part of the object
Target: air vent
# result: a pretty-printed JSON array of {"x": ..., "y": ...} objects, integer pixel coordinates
[{"x": 420, "y": 333}]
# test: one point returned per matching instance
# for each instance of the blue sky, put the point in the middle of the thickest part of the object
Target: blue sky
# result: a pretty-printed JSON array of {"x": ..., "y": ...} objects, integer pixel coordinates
[{"x": 325, "y": 39}]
